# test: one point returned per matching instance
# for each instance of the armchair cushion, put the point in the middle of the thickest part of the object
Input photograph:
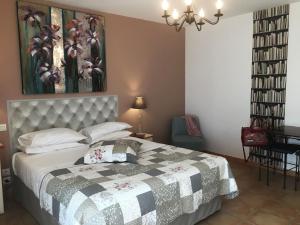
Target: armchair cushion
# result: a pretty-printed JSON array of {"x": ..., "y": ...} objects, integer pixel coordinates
[
  {"x": 186, "y": 141},
  {"x": 179, "y": 126}
]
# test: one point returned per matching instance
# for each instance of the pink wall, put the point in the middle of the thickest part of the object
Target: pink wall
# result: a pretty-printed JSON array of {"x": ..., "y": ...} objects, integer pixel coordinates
[{"x": 143, "y": 58}]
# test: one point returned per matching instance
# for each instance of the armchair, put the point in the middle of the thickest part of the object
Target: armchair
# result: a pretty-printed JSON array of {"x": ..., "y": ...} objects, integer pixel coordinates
[{"x": 180, "y": 136}]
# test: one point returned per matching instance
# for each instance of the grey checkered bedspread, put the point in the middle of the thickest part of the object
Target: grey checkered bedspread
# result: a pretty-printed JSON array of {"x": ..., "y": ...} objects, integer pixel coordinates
[{"x": 166, "y": 183}]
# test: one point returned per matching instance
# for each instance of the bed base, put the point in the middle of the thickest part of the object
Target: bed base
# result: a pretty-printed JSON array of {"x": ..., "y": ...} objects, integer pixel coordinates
[{"x": 31, "y": 203}]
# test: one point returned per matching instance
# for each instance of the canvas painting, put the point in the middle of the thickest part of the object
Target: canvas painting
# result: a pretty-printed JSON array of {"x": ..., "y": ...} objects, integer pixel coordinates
[{"x": 61, "y": 51}]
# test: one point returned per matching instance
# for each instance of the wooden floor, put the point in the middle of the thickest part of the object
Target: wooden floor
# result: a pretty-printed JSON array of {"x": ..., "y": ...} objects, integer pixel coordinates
[{"x": 256, "y": 205}]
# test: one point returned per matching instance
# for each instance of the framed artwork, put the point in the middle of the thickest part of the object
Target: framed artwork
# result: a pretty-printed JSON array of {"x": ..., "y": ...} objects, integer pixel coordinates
[{"x": 61, "y": 51}]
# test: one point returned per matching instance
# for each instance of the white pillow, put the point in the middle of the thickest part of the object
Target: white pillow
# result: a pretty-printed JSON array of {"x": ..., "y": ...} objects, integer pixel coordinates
[
  {"x": 96, "y": 132},
  {"x": 48, "y": 148},
  {"x": 114, "y": 136},
  {"x": 50, "y": 137}
]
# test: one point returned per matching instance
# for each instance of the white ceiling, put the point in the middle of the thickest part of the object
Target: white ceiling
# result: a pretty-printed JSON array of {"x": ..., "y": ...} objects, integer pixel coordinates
[{"x": 151, "y": 9}]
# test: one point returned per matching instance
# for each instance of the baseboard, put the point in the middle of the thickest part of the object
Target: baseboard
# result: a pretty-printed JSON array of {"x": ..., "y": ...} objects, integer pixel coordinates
[
  {"x": 250, "y": 163},
  {"x": 225, "y": 156}
]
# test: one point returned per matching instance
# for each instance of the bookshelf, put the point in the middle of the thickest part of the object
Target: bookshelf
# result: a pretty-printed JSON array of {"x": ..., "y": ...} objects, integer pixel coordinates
[{"x": 269, "y": 64}]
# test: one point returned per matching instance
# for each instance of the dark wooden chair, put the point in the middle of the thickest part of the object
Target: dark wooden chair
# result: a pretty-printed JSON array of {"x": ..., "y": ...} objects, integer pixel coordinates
[
  {"x": 297, "y": 173},
  {"x": 285, "y": 150}
]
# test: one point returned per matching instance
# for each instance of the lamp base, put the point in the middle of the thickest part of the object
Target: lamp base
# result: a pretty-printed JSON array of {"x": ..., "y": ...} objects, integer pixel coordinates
[
  {"x": 140, "y": 124},
  {"x": 144, "y": 136},
  {"x": 140, "y": 134}
]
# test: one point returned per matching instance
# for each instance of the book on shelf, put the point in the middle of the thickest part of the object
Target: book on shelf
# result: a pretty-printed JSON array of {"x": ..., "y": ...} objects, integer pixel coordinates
[
  {"x": 268, "y": 110},
  {"x": 271, "y": 121},
  {"x": 266, "y": 68},
  {"x": 273, "y": 53},
  {"x": 269, "y": 83},
  {"x": 272, "y": 12},
  {"x": 262, "y": 26},
  {"x": 270, "y": 39},
  {"x": 268, "y": 96}
]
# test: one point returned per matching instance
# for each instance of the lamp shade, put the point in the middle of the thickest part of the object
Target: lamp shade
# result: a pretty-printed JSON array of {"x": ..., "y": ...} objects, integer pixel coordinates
[{"x": 139, "y": 103}]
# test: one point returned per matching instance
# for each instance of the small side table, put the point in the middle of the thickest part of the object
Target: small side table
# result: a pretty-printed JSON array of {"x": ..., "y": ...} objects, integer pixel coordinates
[
  {"x": 1, "y": 189},
  {"x": 145, "y": 136}
]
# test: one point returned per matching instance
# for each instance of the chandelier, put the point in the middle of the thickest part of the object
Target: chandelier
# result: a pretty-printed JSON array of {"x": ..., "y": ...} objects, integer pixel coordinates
[{"x": 189, "y": 16}]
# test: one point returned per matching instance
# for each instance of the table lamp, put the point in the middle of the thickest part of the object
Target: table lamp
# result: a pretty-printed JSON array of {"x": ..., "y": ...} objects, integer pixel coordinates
[{"x": 140, "y": 104}]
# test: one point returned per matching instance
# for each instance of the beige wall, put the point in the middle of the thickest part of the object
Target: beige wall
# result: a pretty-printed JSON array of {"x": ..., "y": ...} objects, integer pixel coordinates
[{"x": 143, "y": 58}]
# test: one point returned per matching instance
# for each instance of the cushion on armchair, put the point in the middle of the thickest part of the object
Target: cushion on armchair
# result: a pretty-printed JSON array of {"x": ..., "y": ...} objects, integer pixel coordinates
[
  {"x": 186, "y": 141},
  {"x": 179, "y": 126}
]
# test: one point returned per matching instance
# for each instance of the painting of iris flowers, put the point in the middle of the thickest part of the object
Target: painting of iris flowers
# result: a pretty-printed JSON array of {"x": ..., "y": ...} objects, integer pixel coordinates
[{"x": 61, "y": 51}]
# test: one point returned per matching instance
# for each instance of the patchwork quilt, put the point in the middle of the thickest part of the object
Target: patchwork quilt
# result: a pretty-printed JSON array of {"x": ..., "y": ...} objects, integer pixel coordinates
[{"x": 166, "y": 183}]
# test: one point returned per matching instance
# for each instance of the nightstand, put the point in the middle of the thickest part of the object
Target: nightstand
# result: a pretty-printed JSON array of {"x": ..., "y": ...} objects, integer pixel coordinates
[
  {"x": 1, "y": 189},
  {"x": 145, "y": 136}
]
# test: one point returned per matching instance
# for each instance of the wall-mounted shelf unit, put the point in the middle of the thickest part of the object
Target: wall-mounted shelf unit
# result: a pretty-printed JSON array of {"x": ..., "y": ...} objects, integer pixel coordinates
[{"x": 269, "y": 64}]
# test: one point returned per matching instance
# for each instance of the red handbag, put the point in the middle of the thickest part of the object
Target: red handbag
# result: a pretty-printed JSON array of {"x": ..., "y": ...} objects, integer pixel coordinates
[{"x": 254, "y": 136}]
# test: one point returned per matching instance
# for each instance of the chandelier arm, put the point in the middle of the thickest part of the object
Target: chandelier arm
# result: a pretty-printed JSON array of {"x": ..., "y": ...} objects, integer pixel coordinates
[
  {"x": 169, "y": 23},
  {"x": 182, "y": 17},
  {"x": 175, "y": 23},
  {"x": 198, "y": 26},
  {"x": 212, "y": 22},
  {"x": 181, "y": 25},
  {"x": 196, "y": 16}
]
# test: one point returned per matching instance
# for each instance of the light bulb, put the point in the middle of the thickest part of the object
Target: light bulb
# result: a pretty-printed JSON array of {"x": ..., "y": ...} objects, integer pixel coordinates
[
  {"x": 219, "y": 4},
  {"x": 201, "y": 13},
  {"x": 175, "y": 14},
  {"x": 188, "y": 2},
  {"x": 165, "y": 5}
]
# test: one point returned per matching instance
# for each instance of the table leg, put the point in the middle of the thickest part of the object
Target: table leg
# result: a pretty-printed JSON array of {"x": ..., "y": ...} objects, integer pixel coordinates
[
  {"x": 297, "y": 172},
  {"x": 244, "y": 154},
  {"x": 274, "y": 163},
  {"x": 268, "y": 167},
  {"x": 1, "y": 193},
  {"x": 259, "y": 171},
  {"x": 285, "y": 170}
]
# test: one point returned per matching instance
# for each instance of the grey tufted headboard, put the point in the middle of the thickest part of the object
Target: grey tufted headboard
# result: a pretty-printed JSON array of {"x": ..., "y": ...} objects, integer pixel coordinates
[{"x": 37, "y": 114}]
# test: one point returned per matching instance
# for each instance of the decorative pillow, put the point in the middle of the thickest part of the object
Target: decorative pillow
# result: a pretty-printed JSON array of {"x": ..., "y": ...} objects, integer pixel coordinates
[
  {"x": 94, "y": 133},
  {"x": 113, "y": 151},
  {"x": 52, "y": 136}
]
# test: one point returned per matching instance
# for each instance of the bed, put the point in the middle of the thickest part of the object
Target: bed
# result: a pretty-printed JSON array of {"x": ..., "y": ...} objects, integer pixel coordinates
[{"x": 168, "y": 185}]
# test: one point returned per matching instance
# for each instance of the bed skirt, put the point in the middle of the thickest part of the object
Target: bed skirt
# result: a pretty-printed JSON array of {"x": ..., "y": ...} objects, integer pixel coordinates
[{"x": 31, "y": 203}]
